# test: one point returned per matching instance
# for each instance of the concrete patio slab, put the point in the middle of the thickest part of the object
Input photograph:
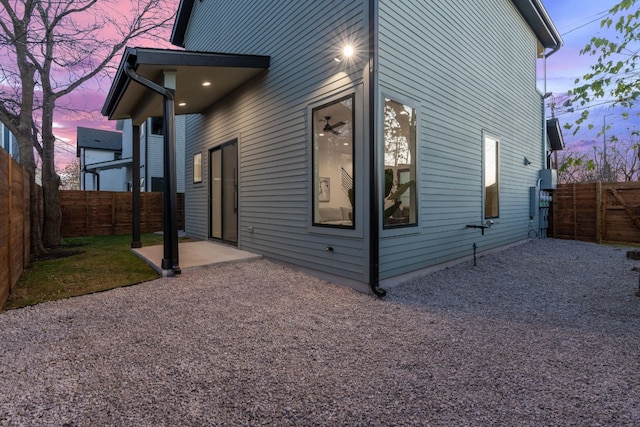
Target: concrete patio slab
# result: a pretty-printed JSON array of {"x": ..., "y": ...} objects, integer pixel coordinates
[{"x": 195, "y": 254}]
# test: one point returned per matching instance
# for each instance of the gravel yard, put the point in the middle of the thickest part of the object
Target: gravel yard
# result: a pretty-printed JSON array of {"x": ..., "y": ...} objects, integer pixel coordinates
[{"x": 544, "y": 333}]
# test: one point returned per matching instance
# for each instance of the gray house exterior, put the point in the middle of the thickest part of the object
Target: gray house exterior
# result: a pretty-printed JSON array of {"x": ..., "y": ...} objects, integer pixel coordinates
[
  {"x": 105, "y": 157},
  {"x": 382, "y": 140}
]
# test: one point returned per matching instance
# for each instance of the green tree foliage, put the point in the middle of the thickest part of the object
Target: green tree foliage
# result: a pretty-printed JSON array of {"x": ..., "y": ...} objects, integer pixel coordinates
[{"x": 613, "y": 80}]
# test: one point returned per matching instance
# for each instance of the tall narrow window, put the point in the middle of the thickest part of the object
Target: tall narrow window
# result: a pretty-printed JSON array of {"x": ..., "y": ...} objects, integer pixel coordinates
[
  {"x": 197, "y": 167},
  {"x": 333, "y": 164},
  {"x": 491, "y": 178},
  {"x": 400, "y": 204}
]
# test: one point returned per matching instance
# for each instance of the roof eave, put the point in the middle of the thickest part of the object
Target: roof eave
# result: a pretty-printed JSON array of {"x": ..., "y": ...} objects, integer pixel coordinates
[
  {"x": 182, "y": 20},
  {"x": 119, "y": 86},
  {"x": 540, "y": 23}
]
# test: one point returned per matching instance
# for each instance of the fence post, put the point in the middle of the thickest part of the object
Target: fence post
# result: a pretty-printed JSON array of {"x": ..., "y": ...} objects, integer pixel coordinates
[
  {"x": 575, "y": 213},
  {"x": 86, "y": 213},
  {"x": 554, "y": 206},
  {"x": 10, "y": 227},
  {"x": 113, "y": 213},
  {"x": 599, "y": 212}
]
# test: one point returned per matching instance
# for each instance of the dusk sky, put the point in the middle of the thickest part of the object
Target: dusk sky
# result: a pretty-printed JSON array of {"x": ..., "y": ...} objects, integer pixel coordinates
[{"x": 576, "y": 20}]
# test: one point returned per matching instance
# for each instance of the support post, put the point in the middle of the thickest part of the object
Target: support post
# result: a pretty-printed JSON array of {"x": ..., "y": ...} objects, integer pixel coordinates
[
  {"x": 599, "y": 212},
  {"x": 170, "y": 265},
  {"x": 170, "y": 260},
  {"x": 135, "y": 190}
]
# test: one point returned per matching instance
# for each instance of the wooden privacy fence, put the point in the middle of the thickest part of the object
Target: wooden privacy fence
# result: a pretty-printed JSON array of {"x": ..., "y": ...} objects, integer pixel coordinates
[
  {"x": 100, "y": 213},
  {"x": 15, "y": 244},
  {"x": 597, "y": 212}
]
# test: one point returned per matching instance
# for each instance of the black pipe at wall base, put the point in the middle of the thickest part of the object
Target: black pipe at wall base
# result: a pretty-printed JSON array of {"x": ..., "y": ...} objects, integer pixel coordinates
[{"x": 374, "y": 187}]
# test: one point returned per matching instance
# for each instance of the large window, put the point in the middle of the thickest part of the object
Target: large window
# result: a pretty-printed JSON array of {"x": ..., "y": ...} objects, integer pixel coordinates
[
  {"x": 491, "y": 178},
  {"x": 400, "y": 204},
  {"x": 333, "y": 164}
]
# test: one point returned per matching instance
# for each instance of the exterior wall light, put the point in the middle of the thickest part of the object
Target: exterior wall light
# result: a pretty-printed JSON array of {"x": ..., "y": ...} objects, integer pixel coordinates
[{"x": 347, "y": 52}]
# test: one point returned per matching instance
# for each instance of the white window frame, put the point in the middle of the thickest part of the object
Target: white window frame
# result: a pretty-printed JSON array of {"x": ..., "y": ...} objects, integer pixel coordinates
[{"x": 486, "y": 137}]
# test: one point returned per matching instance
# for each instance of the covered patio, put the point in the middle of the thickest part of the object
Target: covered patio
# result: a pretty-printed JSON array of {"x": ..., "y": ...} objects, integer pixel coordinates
[{"x": 164, "y": 83}]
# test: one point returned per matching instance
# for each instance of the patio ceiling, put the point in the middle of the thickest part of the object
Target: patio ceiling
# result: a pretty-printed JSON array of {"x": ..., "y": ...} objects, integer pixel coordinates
[{"x": 224, "y": 73}]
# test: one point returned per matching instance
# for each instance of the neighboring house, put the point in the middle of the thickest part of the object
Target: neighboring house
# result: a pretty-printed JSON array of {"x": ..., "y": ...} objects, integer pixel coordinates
[
  {"x": 9, "y": 142},
  {"x": 367, "y": 140},
  {"x": 100, "y": 156},
  {"x": 106, "y": 156}
]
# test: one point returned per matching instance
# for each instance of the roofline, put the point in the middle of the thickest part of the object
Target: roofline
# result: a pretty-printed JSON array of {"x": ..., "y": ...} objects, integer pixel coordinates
[
  {"x": 119, "y": 85},
  {"x": 532, "y": 10},
  {"x": 539, "y": 21},
  {"x": 180, "y": 24},
  {"x": 108, "y": 164}
]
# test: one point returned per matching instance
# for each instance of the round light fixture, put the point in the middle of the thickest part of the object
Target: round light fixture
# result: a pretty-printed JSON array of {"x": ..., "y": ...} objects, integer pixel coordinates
[{"x": 348, "y": 51}]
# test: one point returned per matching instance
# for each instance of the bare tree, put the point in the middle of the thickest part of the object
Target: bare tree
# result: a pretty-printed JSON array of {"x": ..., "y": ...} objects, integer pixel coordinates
[
  {"x": 620, "y": 164},
  {"x": 575, "y": 166},
  {"x": 623, "y": 162},
  {"x": 52, "y": 47}
]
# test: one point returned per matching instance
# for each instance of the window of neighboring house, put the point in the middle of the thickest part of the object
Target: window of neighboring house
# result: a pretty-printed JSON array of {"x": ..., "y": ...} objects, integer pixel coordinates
[
  {"x": 400, "y": 201},
  {"x": 491, "y": 177},
  {"x": 333, "y": 163},
  {"x": 156, "y": 125},
  {"x": 197, "y": 167},
  {"x": 157, "y": 184}
]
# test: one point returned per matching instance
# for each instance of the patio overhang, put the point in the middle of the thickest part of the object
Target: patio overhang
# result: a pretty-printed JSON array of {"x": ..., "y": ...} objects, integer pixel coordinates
[
  {"x": 554, "y": 133},
  {"x": 222, "y": 73},
  {"x": 112, "y": 164}
]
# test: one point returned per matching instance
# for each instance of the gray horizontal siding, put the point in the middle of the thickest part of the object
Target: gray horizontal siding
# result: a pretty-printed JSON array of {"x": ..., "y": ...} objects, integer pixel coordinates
[
  {"x": 470, "y": 66},
  {"x": 269, "y": 116}
]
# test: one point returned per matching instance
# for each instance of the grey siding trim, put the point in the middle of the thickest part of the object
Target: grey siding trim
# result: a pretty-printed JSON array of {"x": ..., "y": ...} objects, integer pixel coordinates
[
  {"x": 270, "y": 117},
  {"x": 471, "y": 66}
]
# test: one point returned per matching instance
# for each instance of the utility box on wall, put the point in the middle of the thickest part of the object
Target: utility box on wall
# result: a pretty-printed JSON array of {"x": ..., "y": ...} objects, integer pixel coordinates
[{"x": 549, "y": 179}]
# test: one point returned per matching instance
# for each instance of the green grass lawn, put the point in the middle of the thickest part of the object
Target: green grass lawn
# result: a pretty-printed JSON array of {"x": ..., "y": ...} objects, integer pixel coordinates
[{"x": 104, "y": 262}]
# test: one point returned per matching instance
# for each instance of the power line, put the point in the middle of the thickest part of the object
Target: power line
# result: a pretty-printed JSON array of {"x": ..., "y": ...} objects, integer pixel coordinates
[{"x": 596, "y": 17}]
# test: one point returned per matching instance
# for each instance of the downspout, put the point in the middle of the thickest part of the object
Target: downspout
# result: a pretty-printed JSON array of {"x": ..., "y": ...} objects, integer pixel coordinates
[
  {"x": 374, "y": 187},
  {"x": 545, "y": 153},
  {"x": 170, "y": 265},
  {"x": 146, "y": 155},
  {"x": 135, "y": 190}
]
